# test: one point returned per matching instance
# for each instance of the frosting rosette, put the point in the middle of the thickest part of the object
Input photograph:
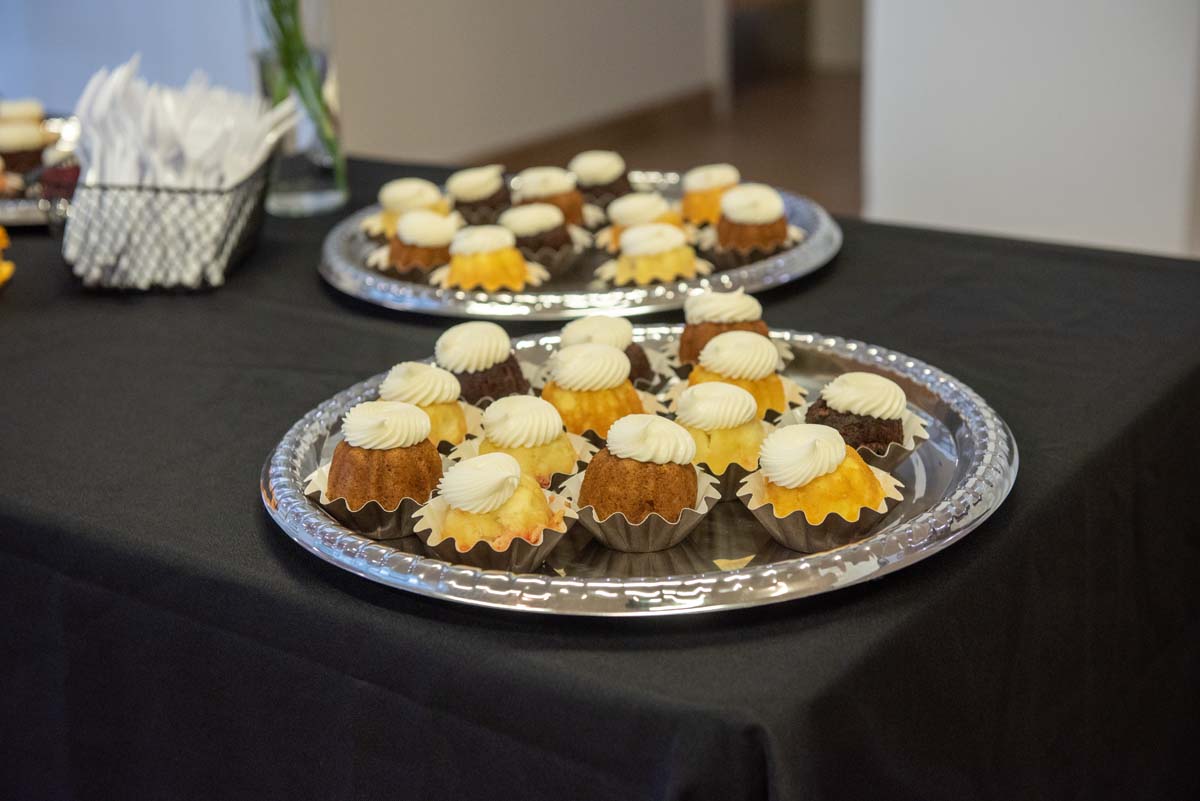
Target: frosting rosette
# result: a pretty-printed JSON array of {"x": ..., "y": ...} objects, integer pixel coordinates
[
  {"x": 752, "y": 204},
  {"x": 616, "y": 332},
  {"x": 714, "y": 406},
  {"x": 650, "y": 438},
  {"x": 740, "y": 355},
  {"x": 420, "y": 384},
  {"x": 521, "y": 421},
  {"x": 651, "y": 239},
  {"x": 589, "y": 367},
  {"x": 472, "y": 347},
  {"x": 638, "y": 208},
  {"x": 382, "y": 425},
  {"x": 794, "y": 455},
  {"x": 481, "y": 484},
  {"x": 710, "y": 176},
  {"x": 536, "y": 182},
  {"x": 532, "y": 219},
  {"x": 475, "y": 183},
  {"x": 865, "y": 394},
  {"x": 426, "y": 229},
  {"x": 597, "y": 167},
  {"x": 722, "y": 307},
  {"x": 408, "y": 194},
  {"x": 481, "y": 239}
]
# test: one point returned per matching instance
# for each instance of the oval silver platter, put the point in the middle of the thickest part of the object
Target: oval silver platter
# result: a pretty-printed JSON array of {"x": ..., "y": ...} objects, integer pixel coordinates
[
  {"x": 343, "y": 265},
  {"x": 953, "y": 482}
]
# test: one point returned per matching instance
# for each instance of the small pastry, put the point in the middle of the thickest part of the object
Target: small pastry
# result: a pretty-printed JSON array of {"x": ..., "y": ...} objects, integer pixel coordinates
[
  {"x": 637, "y": 208},
  {"x": 589, "y": 385},
  {"x": 479, "y": 193},
  {"x": 543, "y": 235},
  {"x": 702, "y": 191},
  {"x": 385, "y": 456},
  {"x": 865, "y": 408},
  {"x": 810, "y": 469},
  {"x": 531, "y": 431},
  {"x": 22, "y": 109},
  {"x": 601, "y": 176},
  {"x": 480, "y": 356},
  {"x": 653, "y": 253},
  {"x": 421, "y": 243},
  {"x": 753, "y": 226},
  {"x": 398, "y": 197},
  {"x": 432, "y": 390},
  {"x": 486, "y": 257},
  {"x": 552, "y": 185},
  {"x": 21, "y": 145},
  {"x": 711, "y": 313},
  {"x": 489, "y": 500},
  {"x": 747, "y": 360},
  {"x": 723, "y": 421},
  {"x": 616, "y": 332},
  {"x": 646, "y": 467}
]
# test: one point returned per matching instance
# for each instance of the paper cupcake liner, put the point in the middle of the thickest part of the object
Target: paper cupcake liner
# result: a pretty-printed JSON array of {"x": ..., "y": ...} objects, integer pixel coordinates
[
  {"x": 729, "y": 481},
  {"x": 371, "y": 520},
  {"x": 607, "y": 273},
  {"x": 897, "y": 452},
  {"x": 520, "y": 556},
  {"x": 556, "y": 260},
  {"x": 535, "y": 275},
  {"x": 584, "y": 451},
  {"x": 652, "y": 534},
  {"x": 834, "y": 531},
  {"x": 728, "y": 259},
  {"x": 481, "y": 215}
]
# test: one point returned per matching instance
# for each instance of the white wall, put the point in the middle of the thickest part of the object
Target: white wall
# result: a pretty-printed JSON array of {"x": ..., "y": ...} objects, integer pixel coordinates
[{"x": 1071, "y": 120}]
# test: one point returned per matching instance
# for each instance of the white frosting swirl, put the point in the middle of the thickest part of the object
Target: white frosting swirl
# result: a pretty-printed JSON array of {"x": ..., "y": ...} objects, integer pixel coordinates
[
  {"x": 793, "y": 456},
  {"x": 381, "y": 425},
  {"x": 22, "y": 108},
  {"x": 406, "y": 194},
  {"x": 589, "y": 367},
  {"x": 710, "y": 176},
  {"x": 597, "y": 167},
  {"x": 616, "y": 332},
  {"x": 722, "y": 307},
  {"x": 472, "y": 347},
  {"x": 752, "y": 204},
  {"x": 481, "y": 484},
  {"x": 740, "y": 354},
  {"x": 866, "y": 394},
  {"x": 426, "y": 229},
  {"x": 419, "y": 383},
  {"x": 532, "y": 218},
  {"x": 544, "y": 182},
  {"x": 651, "y": 239},
  {"x": 713, "y": 406},
  {"x": 481, "y": 239},
  {"x": 637, "y": 208},
  {"x": 650, "y": 438},
  {"x": 19, "y": 135},
  {"x": 522, "y": 421},
  {"x": 475, "y": 183}
]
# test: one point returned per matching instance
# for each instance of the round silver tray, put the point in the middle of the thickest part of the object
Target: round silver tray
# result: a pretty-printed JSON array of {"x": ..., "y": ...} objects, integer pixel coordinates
[
  {"x": 953, "y": 482},
  {"x": 575, "y": 294}
]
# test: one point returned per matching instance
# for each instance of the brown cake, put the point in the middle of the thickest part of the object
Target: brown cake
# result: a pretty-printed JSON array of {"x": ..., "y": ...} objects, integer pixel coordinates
[
  {"x": 484, "y": 208},
  {"x": 639, "y": 364},
  {"x": 765, "y": 237},
  {"x": 865, "y": 408},
  {"x": 601, "y": 176},
  {"x": 856, "y": 429},
  {"x": 696, "y": 335},
  {"x": 497, "y": 381},
  {"x": 753, "y": 220},
  {"x": 604, "y": 194},
  {"x": 479, "y": 193},
  {"x": 480, "y": 356},
  {"x": 407, "y": 258},
  {"x": 636, "y": 489},
  {"x": 537, "y": 226},
  {"x": 386, "y": 476},
  {"x": 552, "y": 185}
]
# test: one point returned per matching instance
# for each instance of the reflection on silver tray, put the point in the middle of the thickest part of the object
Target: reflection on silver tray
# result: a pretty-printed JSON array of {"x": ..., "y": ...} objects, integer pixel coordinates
[
  {"x": 24, "y": 211},
  {"x": 575, "y": 294},
  {"x": 953, "y": 481}
]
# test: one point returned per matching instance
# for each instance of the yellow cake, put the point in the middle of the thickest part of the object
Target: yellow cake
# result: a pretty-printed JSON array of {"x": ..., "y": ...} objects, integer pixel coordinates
[
  {"x": 723, "y": 420},
  {"x": 810, "y": 469},
  {"x": 702, "y": 191},
  {"x": 400, "y": 196},
  {"x": 653, "y": 253},
  {"x": 531, "y": 431},
  {"x": 638, "y": 208},
  {"x": 590, "y": 387},
  {"x": 434, "y": 391},
  {"x": 490, "y": 500},
  {"x": 747, "y": 360},
  {"x": 486, "y": 257}
]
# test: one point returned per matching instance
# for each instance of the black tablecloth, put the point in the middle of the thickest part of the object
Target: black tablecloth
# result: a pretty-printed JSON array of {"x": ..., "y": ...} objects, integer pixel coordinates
[{"x": 161, "y": 638}]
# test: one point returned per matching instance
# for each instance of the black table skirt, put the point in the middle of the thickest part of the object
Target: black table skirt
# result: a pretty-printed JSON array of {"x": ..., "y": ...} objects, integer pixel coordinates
[{"x": 161, "y": 638}]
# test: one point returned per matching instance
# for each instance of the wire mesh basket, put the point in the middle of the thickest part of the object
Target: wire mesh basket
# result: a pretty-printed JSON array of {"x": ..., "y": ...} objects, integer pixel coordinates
[{"x": 139, "y": 237}]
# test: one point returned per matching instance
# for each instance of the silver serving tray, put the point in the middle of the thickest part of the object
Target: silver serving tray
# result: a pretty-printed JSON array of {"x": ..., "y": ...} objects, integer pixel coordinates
[
  {"x": 22, "y": 211},
  {"x": 575, "y": 294},
  {"x": 953, "y": 482}
]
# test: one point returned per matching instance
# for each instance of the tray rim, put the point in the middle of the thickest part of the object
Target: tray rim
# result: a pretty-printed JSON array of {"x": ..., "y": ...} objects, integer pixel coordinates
[{"x": 989, "y": 479}]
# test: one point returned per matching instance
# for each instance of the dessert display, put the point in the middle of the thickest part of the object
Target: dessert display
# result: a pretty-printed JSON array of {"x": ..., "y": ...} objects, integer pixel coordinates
[
  {"x": 479, "y": 194},
  {"x": 531, "y": 431},
  {"x": 653, "y": 253},
  {"x": 724, "y": 423},
  {"x": 702, "y": 190},
  {"x": 871, "y": 413},
  {"x": 748, "y": 360},
  {"x": 711, "y": 313},
  {"x": 637, "y": 208},
  {"x": 543, "y": 235},
  {"x": 432, "y": 390},
  {"x": 552, "y": 185},
  {"x": 480, "y": 356},
  {"x": 400, "y": 196},
  {"x": 421, "y": 242},
  {"x": 600, "y": 175},
  {"x": 589, "y": 385},
  {"x": 616, "y": 332},
  {"x": 486, "y": 257},
  {"x": 21, "y": 145},
  {"x": 753, "y": 225}
]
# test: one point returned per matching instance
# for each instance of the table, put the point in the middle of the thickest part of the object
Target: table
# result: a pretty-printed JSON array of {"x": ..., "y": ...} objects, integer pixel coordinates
[{"x": 161, "y": 638}]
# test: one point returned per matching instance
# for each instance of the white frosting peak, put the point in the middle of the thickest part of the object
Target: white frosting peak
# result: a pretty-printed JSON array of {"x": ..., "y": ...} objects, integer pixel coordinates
[
  {"x": 472, "y": 347},
  {"x": 793, "y": 456},
  {"x": 597, "y": 167},
  {"x": 710, "y": 176},
  {"x": 21, "y": 135},
  {"x": 544, "y": 182},
  {"x": 650, "y": 438},
  {"x": 406, "y": 194},
  {"x": 23, "y": 108},
  {"x": 522, "y": 421},
  {"x": 740, "y": 354},
  {"x": 637, "y": 208},
  {"x": 481, "y": 239},
  {"x": 722, "y": 307},
  {"x": 426, "y": 229},
  {"x": 713, "y": 406},
  {"x": 752, "y": 204},
  {"x": 481, "y": 484},
  {"x": 475, "y": 183},
  {"x": 589, "y": 367},
  {"x": 420, "y": 384},
  {"x": 616, "y": 332},
  {"x": 651, "y": 239},
  {"x": 381, "y": 425},
  {"x": 532, "y": 218},
  {"x": 866, "y": 394}
]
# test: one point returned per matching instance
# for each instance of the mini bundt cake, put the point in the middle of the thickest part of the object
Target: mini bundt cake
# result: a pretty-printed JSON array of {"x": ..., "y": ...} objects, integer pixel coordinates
[
  {"x": 653, "y": 253},
  {"x": 422, "y": 241},
  {"x": 552, "y": 185},
  {"x": 723, "y": 421},
  {"x": 479, "y": 194},
  {"x": 810, "y": 469},
  {"x": 601, "y": 175},
  {"x": 702, "y": 190},
  {"x": 480, "y": 356},
  {"x": 486, "y": 257},
  {"x": 490, "y": 500},
  {"x": 637, "y": 208},
  {"x": 614, "y": 331},
  {"x": 711, "y": 313},
  {"x": 432, "y": 390},
  {"x": 589, "y": 385},
  {"x": 399, "y": 197},
  {"x": 385, "y": 457},
  {"x": 752, "y": 218},
  {"x": 865, "y": 408},
  {"x": 531, "y": 431}
]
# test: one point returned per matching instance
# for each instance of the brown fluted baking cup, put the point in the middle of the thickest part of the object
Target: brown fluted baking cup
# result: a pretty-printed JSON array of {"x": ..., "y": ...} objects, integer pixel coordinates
[
  {"x": 584, "y": 451},
  {"x": 556, "y": 260},
  {"x": 897, "y": 452},
  {"x": 652, "y": 534},
  {"x": 520, "y": 556},
  {"x": 833, "y": 531},
  {"x": 482, "y": 215},
  {"x": 372, "y": 520},
  {"x": 728, "y": 259}
]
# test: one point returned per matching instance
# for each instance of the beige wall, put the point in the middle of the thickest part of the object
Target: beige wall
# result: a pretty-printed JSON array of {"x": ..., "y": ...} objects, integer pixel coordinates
[{"x": 443, "y": 81}]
